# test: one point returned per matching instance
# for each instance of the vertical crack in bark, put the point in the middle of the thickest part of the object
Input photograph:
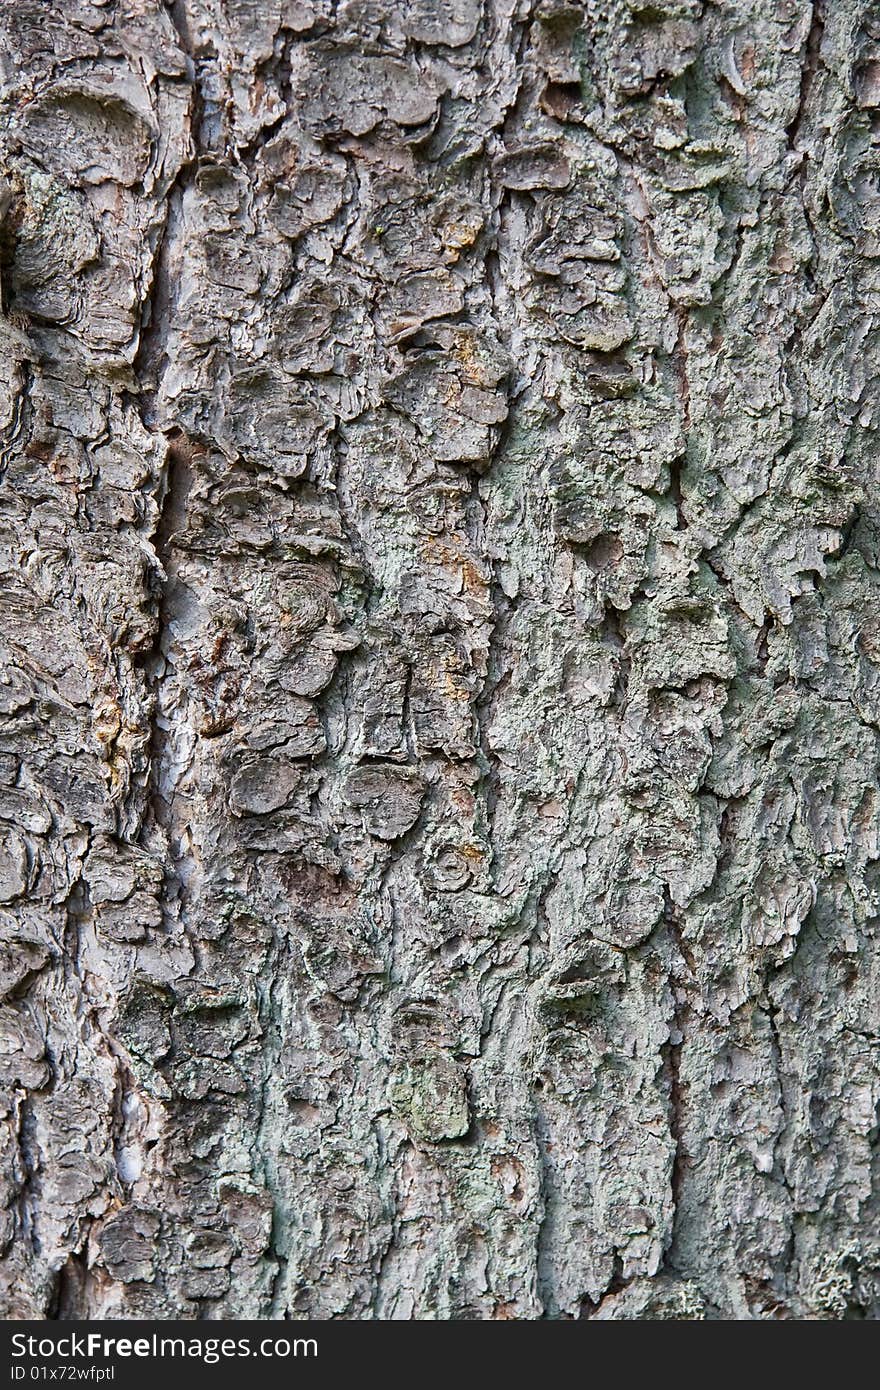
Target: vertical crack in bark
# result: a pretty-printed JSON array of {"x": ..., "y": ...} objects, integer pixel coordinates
[
  {"x": 809, "y": 71},
  {"x": 26, "y": 1198},
  {"x": 676, "y": 1089},
  {"x": 167, "y": 752},
  {"x": 69, "y": 1300},
  {"x": 279, "y": 1236},
  {"x": 680, "y": 368},
  {"x": 175, "y": 481}
]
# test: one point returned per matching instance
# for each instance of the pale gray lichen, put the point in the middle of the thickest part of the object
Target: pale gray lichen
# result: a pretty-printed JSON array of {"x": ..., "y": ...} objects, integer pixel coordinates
[{"x": 439, "y": 678}]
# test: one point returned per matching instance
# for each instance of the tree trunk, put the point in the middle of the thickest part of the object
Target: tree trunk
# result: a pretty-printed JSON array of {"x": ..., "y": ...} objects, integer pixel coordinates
[{"x": 441, "y": 673}]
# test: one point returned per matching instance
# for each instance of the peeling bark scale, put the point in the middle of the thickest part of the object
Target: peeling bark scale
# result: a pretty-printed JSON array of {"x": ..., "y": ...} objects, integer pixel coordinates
[{"x": 440, "y": 676}]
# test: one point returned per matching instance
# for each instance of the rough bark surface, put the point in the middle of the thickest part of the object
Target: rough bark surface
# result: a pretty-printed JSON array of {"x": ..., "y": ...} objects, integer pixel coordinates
[{"x": 440, "y": 659}]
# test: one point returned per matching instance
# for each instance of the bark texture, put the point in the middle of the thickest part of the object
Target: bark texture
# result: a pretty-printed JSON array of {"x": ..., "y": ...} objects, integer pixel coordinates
[{"x": 440, "y": 659}]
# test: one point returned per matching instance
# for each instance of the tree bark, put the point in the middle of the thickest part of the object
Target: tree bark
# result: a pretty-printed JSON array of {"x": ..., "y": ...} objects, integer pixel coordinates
[{"x": 440, "y": 662}]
